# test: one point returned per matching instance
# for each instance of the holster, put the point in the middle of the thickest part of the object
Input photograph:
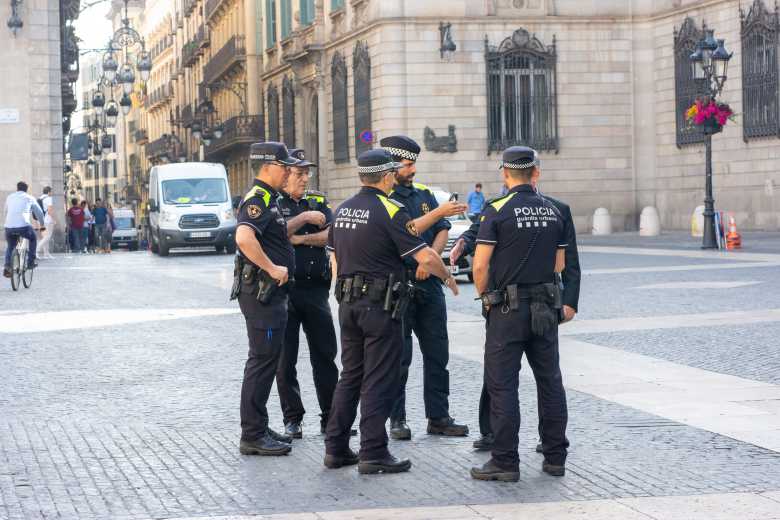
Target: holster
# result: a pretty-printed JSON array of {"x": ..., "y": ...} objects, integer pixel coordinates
[
  {"x": 544, "y": 315},
  {"x": 404, "y": 295},
  {"x": 267, "y": 287},
  {"x": 238, "y": 264}
]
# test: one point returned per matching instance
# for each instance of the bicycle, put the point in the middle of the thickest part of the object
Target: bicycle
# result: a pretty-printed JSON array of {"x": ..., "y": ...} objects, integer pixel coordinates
[{"x": 19, "y": 269}]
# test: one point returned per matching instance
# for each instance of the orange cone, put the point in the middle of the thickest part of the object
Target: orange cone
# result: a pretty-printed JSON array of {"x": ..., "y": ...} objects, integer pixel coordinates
[{"x": 733, "y": 238}]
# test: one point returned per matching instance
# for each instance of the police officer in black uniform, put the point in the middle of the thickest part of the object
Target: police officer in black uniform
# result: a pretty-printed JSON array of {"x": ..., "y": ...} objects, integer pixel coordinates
[
  {"x": 308, "y": 215},
  {"x": 427, "y": 312},
  {"x": 570, "y": 279},
  {"x": 370, "y": 237},
  {"x": 518, "y": 245},
  {"x": 264, "y": 263}
]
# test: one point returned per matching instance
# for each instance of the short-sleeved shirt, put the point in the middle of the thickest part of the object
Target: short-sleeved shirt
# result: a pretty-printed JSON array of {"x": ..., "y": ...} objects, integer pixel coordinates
[
  {"x": 311, "y": 262},
  {"x": 76, "y": 215},
  {"x": 520, "y": 225},
  {"x": 101, "y": 216},
  {"x": 371, "y": 235},
  {"x": 47, "y": 202},
  {"x": 259, "y": 210},
  {"x": 418, "y": 201}
]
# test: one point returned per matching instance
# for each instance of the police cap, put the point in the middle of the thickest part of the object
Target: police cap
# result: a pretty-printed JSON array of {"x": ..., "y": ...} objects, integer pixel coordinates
[
  {"x": 376, "y": 161},
  {"x": 519, "y": 158},
  {"x": 401, "y": 146},
  {"x": 271, "y": 151},
  {"x": 297, "y": 153}
]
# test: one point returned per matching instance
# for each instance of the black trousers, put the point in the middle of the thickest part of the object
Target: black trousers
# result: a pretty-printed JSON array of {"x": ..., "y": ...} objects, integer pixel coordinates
[
  {"x": 508, "y": 337},
  {"x": 484, "y": 408},
  {"x": 427, "y": 318},
  {"x": 371, "y": 344},
  {"x": 308, "y": 307},
  {"x": 265, "y": 328}
]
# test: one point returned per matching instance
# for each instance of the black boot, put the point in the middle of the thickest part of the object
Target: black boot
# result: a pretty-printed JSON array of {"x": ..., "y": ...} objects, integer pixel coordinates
[
  {"x": 556, "y": 470},
  {"x": 484, "y": 443},
  {"x": 400, "y": 431},
  {"x": 447, "y": 426},
  {"x": 350, "y": 458},
  {"x": 490, "y": 471},
  {"x": 279, "y": 437},
  {"x": 293, "y": 430},
  {"x": 539, "y": 448},
  {"x": 265, "y": 445},
  {"x": 388, "y": 464}
]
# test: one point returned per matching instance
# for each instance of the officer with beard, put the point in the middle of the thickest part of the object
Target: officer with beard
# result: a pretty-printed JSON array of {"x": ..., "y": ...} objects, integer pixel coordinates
[{"x": 427, "y": 312}]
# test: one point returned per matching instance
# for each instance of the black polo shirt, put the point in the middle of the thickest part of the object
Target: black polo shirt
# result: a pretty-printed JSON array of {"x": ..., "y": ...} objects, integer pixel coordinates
[
  {"x": 522, "y": 226},
  {"x": 259, "y": 210},
  {"x": 418, "y": 201},
  {"x": 371, "y": 234},
  {"x": 311, "y": 262}
]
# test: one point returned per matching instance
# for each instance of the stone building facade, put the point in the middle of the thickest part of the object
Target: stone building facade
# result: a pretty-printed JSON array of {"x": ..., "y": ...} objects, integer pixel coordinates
[
  {"x": 34, "y": 96},
  {"x": 592, "y": 83}
]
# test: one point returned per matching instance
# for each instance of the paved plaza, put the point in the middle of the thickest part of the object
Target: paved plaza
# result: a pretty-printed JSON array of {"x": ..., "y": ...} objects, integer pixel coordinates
[{"x": 120, "y": 378}]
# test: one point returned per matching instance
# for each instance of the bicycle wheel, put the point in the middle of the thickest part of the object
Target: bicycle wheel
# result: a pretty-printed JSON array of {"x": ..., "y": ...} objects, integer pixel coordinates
[
  {"x": 15, "y": 270},
  {"x": 27, "y": 275}
]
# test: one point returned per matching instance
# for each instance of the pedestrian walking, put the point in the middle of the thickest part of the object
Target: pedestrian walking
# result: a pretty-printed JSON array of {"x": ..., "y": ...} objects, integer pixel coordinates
[
  {"x": 521, "y": 303},
  {"x": 76, "y": 222},
  {"x": 46, "y": 202},
  {"x": 264, "y": 262},
  {"x": 370, "y": 237},
  {"x": 308, "y": 216},
  {"x": 88, "y": 231},
  {"x": 426, "y": 314},
  {"x": 101, "y": 225},
  {"x": 476, "y": 201}
]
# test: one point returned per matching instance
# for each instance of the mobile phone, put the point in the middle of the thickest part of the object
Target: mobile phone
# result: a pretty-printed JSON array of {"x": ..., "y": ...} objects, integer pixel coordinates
[{"x": 453, "y": 197}]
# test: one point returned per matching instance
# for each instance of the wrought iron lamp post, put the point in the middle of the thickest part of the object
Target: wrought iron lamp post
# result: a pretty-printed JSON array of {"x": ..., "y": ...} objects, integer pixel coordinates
[{"x": 710, "y": 64}]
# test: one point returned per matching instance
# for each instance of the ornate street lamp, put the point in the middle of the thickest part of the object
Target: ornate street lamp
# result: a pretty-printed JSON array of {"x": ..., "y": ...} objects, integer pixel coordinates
[
  {"x": 126, "y": 104},
  {"x": 98, "y": 102},
  {"x": 110, "y": 66},
  {"x": 710, "y": 66},
  {"x": 196, "y": 129},
  {"x": 112, "y": 113}
]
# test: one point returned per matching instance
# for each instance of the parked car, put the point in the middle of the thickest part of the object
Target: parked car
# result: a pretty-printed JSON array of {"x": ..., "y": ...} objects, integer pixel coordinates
[
  {"x": 460, "y": 224},
  {"x": 125, "y": 234}
]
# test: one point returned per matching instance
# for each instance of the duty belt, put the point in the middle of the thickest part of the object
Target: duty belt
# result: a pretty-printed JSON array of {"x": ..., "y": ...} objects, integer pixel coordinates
[
  {"x": 544, "y": 298},
  {"x": 394, "y": 294}
]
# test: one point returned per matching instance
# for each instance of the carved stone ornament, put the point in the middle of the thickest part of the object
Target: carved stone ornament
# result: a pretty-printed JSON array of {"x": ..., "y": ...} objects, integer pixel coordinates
[{"x": 445, "y": 144}]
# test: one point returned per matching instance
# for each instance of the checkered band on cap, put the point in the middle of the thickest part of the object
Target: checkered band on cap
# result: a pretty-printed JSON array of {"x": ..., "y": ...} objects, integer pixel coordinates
[
  {"x": 520, "y": 166},
  {"x": 262, "y": 157},
  {"x": 376, "y": 169},
  {"x": 400, "y": 152}
]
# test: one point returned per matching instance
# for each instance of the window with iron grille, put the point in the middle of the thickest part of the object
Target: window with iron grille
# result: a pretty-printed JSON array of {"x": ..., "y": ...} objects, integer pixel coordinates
[
  {"x": 338, "y": 73},
  {"x": 522, "y": 93},
  {"x": 686, "y": 88},
  {"x": 288, "y": 112},
  {"x": 270, "y": 23},
  {"x": 273, "y": 114},
  {"x": 760, "y": 69},
  {"x": 361, "y": 71},
  {"x": 286, "y": 18},
  {"x": 307, "y": 12}
]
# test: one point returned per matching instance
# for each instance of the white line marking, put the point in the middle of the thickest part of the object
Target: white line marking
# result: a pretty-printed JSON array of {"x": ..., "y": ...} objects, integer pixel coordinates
[{"x": 698, "y": 285}]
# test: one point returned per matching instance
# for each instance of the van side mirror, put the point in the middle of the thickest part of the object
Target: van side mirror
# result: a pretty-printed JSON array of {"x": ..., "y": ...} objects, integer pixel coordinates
[
  {"x": 153, "y": 206},
  {"x": 236, "y": 201}
]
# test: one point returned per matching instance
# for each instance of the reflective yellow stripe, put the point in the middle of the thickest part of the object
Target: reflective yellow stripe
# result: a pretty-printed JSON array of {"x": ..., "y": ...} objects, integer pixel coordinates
[
  {"x": 391, "y": 208},
  {"x": 317, "y": 198},
  {"x": 257, "y": 190},
  {"x": 498, "y": 204},
  {"x": 421, "y": 186}
]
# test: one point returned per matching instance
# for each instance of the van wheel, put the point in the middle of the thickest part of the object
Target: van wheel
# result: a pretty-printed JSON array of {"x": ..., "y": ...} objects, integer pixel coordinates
[
  {"x": 231, "y": 248},
  {"x": 220, "y": 249},
  {"x": 163, "y": 247},
  {"x": 133, "y": 246},
  {"x": 155, "y": 247}
]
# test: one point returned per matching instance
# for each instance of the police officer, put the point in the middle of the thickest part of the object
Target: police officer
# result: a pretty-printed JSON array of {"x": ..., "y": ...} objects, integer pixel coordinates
[
  {"x": 427, "y": 312},
  {"x": 264, "y": 262},
  {"x": 521, "y": 303},
  {"x": 308, "y": 214},
  {"x": 571, "y": 277},
  {"x": 370, "y": 237}
]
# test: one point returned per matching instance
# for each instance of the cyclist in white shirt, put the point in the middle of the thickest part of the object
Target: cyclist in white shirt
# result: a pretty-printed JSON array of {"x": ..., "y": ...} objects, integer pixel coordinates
[
  {"x": 48, "y": 220},
  {"x": 18, "y": 207}
]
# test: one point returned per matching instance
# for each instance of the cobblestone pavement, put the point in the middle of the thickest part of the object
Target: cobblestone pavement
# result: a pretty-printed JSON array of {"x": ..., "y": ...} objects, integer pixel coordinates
[{"x": 140, "y": 420}]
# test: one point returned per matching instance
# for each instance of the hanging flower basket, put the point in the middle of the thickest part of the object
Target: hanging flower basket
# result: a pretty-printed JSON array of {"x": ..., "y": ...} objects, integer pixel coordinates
[{"x": 709, "y": 115}]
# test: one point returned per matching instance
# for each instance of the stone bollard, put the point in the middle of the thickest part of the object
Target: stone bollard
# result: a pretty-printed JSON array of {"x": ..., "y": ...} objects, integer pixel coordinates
[
  {"x": 602, "y": 222},
  {"x": 697, "y": 222},
  {"x": 649, "y": 222}
]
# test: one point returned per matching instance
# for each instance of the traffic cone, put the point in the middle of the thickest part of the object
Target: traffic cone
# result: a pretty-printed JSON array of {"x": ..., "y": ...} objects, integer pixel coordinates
[{"x": 733, "y": 238}]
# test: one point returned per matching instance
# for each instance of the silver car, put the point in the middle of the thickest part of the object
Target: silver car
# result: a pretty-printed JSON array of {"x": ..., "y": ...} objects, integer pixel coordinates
[{"x": 460, "y": 224}]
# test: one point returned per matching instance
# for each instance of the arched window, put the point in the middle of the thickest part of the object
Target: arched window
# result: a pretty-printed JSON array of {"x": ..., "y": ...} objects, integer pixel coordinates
[
  {"x": 522, "y": 93},
  {"x": 273, "y": 114},
  {"x": 361, "y": 68},
  {"x": 760, "y": 69},
  {"x": 338, "y": 73},
  {"x": 686, "y": 88},
  {"x": 288, "y": 112}
]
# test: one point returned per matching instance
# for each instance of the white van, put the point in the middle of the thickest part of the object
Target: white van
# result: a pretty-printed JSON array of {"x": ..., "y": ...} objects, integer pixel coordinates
[
  {"x": 125, "y": 234},
  {"x": 190, "y": 206}
]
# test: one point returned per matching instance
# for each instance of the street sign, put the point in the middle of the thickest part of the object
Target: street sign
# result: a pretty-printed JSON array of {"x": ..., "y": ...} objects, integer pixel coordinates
[{"x": 9, "y": 116}]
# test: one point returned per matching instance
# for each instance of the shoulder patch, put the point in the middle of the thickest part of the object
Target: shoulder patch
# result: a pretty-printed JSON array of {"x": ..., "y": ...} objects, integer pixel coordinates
[
  {"x": 315, "y": 192},
  {"x": 257, "y": 191},
  {"x": 499, "y": 202},
  {"x": 392, "y": 206},
  {"x": 315, "y": 196},
  {"x": 420, "y": 186}
]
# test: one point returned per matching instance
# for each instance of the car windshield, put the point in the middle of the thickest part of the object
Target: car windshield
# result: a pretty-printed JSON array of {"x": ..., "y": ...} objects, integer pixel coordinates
[
  {"x": 194, "y": 191},
  {"x": 124, "y": 222}
]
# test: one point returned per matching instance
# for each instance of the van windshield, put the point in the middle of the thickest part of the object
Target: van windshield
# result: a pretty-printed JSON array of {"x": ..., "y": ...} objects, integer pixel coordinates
[
  {"x": 194, "y": 191},
  {"x": 124, "y": 222}
]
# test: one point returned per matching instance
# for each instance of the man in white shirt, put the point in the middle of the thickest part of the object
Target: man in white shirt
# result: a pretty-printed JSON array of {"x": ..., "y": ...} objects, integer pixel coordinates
[
  {"x": 18, "y": 207},
  {"x": 46, "y": 201}
]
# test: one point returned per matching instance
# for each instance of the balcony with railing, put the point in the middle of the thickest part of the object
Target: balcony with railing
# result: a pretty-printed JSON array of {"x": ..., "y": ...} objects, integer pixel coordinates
[
  {"x": 160, "y": 95},
  {"x": 186, "y": 116},
  {"x": 157, "y": 148},
  {"x": 193, "y": 49},
  {"x": 233, "y": 52},
  {"x": 212, "y": 6},
  {"x": 238, "y": 131},
  {"x": 141, "y": 136}
]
